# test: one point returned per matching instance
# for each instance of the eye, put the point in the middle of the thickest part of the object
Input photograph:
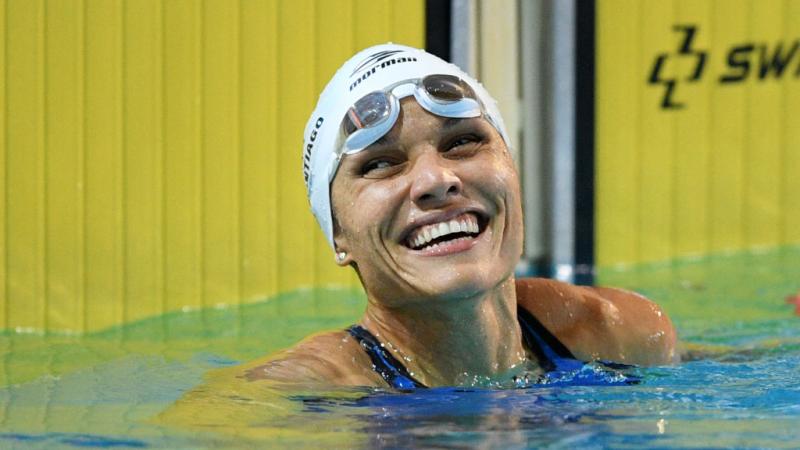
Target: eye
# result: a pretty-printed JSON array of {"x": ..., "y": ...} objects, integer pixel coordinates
[
  {"x": 463, "y": 143},
  {"x": 379, "y": 167}
]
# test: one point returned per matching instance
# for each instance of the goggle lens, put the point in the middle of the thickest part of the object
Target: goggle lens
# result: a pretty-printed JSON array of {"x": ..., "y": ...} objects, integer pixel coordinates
[
  {"x": 447, "y": 88},
  {"x": 368, "y": 111}
]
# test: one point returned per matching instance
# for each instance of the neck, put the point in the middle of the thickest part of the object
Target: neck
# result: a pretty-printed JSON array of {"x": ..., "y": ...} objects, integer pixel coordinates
[{"x": 452, "y": 341}]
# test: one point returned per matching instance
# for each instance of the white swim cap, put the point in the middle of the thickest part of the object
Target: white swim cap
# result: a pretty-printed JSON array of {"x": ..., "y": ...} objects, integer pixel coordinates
[{"x": 372, "y": 69}]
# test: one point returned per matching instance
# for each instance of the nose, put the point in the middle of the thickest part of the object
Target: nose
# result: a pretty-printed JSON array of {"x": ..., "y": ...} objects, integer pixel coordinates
[{"x": 433, "y": 183}]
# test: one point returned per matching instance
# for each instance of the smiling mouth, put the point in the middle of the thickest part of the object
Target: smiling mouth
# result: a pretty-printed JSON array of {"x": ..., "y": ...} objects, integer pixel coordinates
[{"x": 464, "y": 226}]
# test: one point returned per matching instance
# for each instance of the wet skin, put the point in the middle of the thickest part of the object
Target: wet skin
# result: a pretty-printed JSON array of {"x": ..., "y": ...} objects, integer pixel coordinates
[{"x": 447, "y": 308}]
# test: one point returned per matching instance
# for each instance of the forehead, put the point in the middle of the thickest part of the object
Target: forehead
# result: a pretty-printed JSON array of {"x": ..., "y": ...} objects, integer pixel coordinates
[
  {"x": 416, "y": 122},
  {"x": 411, "y": 113}
]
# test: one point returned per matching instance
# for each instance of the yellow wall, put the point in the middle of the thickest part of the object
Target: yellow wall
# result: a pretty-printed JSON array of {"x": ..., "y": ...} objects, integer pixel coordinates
[
  {"x": 151, "y": 151},
  {"x": 719, "y": 174}
]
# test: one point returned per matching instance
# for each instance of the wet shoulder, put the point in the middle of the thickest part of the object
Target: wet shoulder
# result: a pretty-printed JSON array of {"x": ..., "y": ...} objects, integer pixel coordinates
[
  {"x": 600, "y": 323},
  {"x": 550, "y": 301},
  {"x": 330, "y": 358}
]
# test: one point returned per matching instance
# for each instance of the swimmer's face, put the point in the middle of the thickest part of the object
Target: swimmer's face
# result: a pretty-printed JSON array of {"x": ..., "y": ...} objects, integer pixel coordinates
[{"x": 394, "y": 200}]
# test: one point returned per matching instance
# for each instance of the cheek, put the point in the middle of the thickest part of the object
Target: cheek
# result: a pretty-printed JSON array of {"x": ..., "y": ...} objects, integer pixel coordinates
[
  {"x": 341, "y": 207},
  {"x": 503, "y": 183},
  {"x": 360, "y": 209}
]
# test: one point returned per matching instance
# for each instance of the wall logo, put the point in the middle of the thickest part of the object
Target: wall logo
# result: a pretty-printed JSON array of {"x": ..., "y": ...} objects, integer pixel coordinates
[
  {"x": 685, "y": 50},
  {"x": 762, "y": 61}
]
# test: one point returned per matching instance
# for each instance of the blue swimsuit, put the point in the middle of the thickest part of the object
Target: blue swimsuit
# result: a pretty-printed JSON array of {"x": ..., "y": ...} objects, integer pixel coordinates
[{"x": 551, "y": 355}]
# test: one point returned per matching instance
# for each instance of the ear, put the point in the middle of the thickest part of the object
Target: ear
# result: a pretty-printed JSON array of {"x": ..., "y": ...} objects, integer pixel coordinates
[
  {"x": 341, "y": 255},
  {"x": 342, "y": 258},
  {"x": 340, "y": 245}
]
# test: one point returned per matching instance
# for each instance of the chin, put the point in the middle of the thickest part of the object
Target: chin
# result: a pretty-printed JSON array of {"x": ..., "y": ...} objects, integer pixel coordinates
[{"x": 463, "y": 283}]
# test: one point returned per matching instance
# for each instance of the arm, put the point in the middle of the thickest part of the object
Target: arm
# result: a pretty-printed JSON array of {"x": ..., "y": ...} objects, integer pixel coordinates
[
  {"x": 601, "y": 323},
  {"x": 318, "y": 362},
  {"x": 333, "y": 358}
]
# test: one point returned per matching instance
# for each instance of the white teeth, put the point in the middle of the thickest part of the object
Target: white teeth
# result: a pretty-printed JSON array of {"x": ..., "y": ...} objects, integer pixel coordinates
[
  {"x": 443, "y": 229},
  {"x": 427, "y": 233}
]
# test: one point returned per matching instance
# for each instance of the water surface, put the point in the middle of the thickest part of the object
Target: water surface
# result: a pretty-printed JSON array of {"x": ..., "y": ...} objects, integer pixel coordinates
[{"x": 119, "y": 388}]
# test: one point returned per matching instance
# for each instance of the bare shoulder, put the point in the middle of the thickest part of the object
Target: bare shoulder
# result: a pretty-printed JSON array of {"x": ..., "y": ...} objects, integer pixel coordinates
[
  {"x": 330, "y": 358},
  {"x": 600, "y": 322},
  {"x": 324, "y": 360}
]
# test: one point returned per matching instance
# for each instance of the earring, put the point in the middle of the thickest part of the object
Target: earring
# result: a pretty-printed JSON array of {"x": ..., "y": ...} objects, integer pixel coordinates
[{"x": 341, "y": 256}]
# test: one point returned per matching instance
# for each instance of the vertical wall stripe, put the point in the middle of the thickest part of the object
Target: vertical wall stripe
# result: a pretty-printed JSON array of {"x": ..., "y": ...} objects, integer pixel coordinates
[
  {"x": 258, "y": 130},
  {"x": 161, "y": 202},
  {"x": 42, "y": 172},
  {"x": 182, "y": 183},
  {"x": 62, "y": 143},
  {"x": 585, "y": 62},
  {"x": 656, "y": 143},
  {"x": 297, "y": 35},
  {"x": 616, "y": 145},
  {"x": 221, "y": 152},
  {"x": 791, "y": 186},
  {"x": 372, "y": 22},
  {"x": 103, "y": 269},
  {"x": 157, "y": 108},
  {"x": 438, "y": 26},
  {"x": 141, "y": 164},
  {"x": 240, "y": 186},
  {"x": 82, "y": 323},
  {"x": 121, "y": 210},
  {"x": 24, "y": 181},
  {"x": 764, "y": 139},
  {"x": 79, "y": 53},
  {"x": 200, "y": 168},
  {"x": 408, "y": 22},
  {"x": 4, "y": 219},
  {"x": 783, "y": 122},
  {"x": 728, "y": 131},
  {"x": 691, "y": 142}
]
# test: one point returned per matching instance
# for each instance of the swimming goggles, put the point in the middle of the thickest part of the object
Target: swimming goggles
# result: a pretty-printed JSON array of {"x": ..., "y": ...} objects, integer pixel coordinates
[{"x": 374, "y": 114}]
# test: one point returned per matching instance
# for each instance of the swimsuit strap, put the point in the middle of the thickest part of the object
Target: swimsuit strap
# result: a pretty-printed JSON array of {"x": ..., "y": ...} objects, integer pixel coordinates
[
  {"x": 551, "y": 353},
  {"x": 392, "y": 370}
]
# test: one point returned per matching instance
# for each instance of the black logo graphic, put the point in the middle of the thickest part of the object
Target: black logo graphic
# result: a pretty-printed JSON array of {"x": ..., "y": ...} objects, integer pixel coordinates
[
  {"x": 767, "y": 61},
  {"x": 374, "y": 59},
  {"x": 685, "y": 50},
  {"x": 309, "y": 147}
]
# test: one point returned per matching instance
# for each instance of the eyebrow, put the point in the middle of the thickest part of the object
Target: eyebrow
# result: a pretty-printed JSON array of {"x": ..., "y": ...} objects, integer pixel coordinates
[
  {"x": 386, "y": 140},
  {"x": 451, "y": 122}
]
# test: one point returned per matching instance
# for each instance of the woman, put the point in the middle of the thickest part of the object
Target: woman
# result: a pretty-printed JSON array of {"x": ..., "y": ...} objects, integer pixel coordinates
[{"x": 408, "y": 172}]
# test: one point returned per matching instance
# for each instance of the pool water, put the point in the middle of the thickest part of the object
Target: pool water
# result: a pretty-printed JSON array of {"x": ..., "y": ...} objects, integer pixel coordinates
[{"x": 165, "y": 382}]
